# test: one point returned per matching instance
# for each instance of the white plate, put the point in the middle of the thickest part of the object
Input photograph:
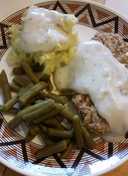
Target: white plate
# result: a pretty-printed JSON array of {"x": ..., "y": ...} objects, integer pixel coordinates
[{"x": 101, "y": 16}]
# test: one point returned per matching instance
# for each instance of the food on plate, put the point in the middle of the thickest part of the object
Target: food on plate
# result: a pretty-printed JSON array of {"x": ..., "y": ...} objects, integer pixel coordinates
[
  {"x": 93, "y": 122},
  {"x": 95, "y": 71},
  {"x": 21, "y": 80},
  {"x": 52, "y": 149},
  {"x": 32, "y": 92},
  {"x": 116, "y": 44},
  {"x": 14, "y": 87},
  {"x": 5, "y": 86},
  {"x": 32, "y": 133},
  {"x": 45, "y": 37},
  {"x": 29, "y": 72},
  {"x": 9, "y": 104},
  {"x": 65, "y": 91},
  {"x": 66, "y": 153}
]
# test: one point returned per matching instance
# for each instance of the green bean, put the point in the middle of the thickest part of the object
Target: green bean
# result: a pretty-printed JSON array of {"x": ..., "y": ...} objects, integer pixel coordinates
[
  {"x": 67, "y": 152},
  {"x": 57, "y": 98},
  {"x": 5, "y": 86},
  {"x": 35, "y": 107},
  {"x": 52, "y": 123},
  {"x": 46, "y": 140},
  {"x": 32, "y": 92},
  {"x": 18, "y": 118},
  {"x": 15, "y": 122},
  {"x": 44, "y": 128},
  {"x": 18, "y": 71},
  {"x": 78, "y": 132},
  {"x": 26, "y": 67},
  {"x": 21, "y": 80},
  {"x": 49, "y": 114},
  {"x": 52, "y": 149},
  {"x": 45, "y": 137},
  {"x": 69, "y": 115},
  {"x": 38, "y": 101},
  {"x": 23, "y": 90},
  {"x": 45, "y": 131},
  {"x": 38, "y": 113},
  {"x": 87, "y": 138},
  {"x": 69, "y": 105},
  {"x": 9, "y": 104},
  {"x": 59, "y": 133},
  {"x": 14, "y": 87},
  {"x": 65, "y": 124},
  {"x": 32, "y": 133}
]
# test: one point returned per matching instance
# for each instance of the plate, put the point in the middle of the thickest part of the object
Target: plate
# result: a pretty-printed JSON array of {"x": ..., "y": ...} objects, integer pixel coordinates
[{"x": 20, "y": 156}]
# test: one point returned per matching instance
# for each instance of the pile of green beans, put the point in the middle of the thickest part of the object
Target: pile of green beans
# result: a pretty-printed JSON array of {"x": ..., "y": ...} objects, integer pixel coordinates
[{"x": 52, "y": 117}]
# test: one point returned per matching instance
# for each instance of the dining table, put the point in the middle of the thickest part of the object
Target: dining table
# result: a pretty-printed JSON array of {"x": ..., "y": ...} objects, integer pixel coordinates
[{"x": 7, "y": 7}]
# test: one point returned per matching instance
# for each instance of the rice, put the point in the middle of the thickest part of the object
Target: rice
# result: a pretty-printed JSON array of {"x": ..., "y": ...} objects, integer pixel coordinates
[{"x": 116, "y": 44}]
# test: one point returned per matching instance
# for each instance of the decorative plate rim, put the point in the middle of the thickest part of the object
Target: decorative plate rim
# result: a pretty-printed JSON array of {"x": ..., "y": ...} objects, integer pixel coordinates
[
  {"x": 110, "y": 165},
  {"x": 28, "y": 173},
  {"x": 86, "y": 1}
]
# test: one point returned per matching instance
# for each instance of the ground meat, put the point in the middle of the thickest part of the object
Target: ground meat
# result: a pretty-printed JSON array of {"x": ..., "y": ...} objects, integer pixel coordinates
[{"x": 89, "y": 115}]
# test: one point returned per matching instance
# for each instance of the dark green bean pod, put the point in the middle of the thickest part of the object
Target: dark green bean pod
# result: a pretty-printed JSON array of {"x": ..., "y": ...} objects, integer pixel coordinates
[
  {"x": 23, "y": 90},
  {"x": 63, "y": 134},
  {"x": 32, "y": 133},
  {"x": 14, "y": 87},
  {"x": 45, "y": 137},
  {"x": 32, "y": 92},
  {"x": 5, "y": 86},
  {"x": 67, "y": 152},
  {"x": 52, "y": 149},
  {"x": 28, "y": 70},
  {"x": 9, "y": 104},
  {"x": 18, "y": 118},
  {"x": 39, "y": 112},
  {"x": 69, "y": 105},
  {"x": 21, "y": 80},
  {"x": 57, "y": 98},
  {"x": 87, "y": 138},
  {"x": 18, "y": 71},
  {"x": 66, "y": 125},
  {"x": 78, "y": 132},
  {"x": 53, "y": 122},
  {"x": 38, "y": 101},
  {"x": 50, "y": 114},
  {"x": 69, "y": 115}
]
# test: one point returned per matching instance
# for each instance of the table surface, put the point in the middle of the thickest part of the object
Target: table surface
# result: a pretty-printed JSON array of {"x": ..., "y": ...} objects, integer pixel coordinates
[{"x": 119, "y": 5}]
